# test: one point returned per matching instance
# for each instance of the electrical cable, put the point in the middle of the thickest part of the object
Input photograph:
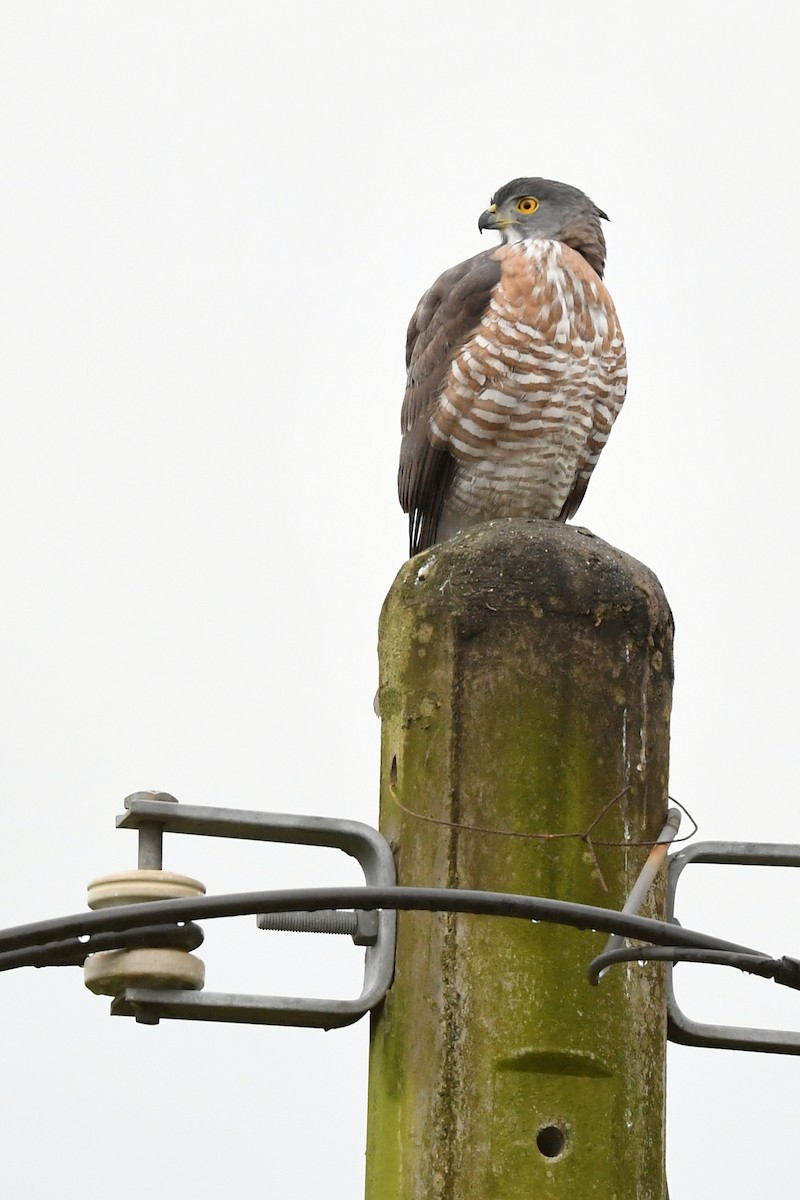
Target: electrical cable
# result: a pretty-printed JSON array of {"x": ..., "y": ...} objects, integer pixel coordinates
[
  {"x": 73, "y": 952},
  {"x": 755, "y": 964},
  {"x": 59, "y": 930}
]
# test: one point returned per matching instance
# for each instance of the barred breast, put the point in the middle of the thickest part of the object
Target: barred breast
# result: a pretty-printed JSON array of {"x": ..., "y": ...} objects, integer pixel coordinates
[{"x": 529, "y": 401}]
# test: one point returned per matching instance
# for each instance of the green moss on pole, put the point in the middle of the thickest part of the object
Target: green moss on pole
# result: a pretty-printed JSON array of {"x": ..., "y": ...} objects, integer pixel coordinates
[{"x": 526, "y": 672}]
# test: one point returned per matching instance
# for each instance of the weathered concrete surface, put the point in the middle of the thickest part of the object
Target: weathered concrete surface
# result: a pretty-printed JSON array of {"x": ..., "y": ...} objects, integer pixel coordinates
[{"x": 526, "y": 673}]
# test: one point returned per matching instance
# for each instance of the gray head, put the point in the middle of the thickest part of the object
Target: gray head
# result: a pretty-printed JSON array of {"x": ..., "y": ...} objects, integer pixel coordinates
[{"x": 543, "y": 208}]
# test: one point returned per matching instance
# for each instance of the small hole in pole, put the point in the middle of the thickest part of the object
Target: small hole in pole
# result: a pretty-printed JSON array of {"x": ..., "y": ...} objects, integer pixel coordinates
[
  {"x": 393, "y": 771},
  {"x": 550, "y": 1141}
]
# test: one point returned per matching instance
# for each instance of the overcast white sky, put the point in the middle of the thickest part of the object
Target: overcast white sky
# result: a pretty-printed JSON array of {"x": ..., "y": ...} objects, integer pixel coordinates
[{"x": 216, "y": 220}]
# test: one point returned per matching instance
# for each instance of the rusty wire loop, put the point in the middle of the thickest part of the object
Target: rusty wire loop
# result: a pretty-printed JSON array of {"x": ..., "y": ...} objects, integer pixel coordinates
[{"x": 584, "y": 835}]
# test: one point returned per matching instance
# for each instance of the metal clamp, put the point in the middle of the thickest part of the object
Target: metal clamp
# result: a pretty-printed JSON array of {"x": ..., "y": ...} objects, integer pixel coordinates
[
  {"x": 375, "y": 931},
  {"x": 681, "y": 1028}
]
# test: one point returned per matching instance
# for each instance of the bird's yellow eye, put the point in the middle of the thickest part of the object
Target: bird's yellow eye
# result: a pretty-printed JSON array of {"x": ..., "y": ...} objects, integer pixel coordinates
[{"x": 527, "y": 205}]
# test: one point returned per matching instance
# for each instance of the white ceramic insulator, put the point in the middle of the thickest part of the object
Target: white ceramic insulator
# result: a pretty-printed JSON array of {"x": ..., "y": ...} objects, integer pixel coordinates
[
  {"x": 134, "y": 887},
  {"x": 111, "y": 971}
]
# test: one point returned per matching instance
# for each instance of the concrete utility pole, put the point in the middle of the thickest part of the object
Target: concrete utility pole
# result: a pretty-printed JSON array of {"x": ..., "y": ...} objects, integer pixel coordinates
[{"x": 526, "y": 672}]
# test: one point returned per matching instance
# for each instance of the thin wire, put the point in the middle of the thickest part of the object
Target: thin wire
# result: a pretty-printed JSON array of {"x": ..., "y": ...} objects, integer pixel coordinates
[
  {"x": 584, "y": 835},
  {"x": 686, "y": 813},
  {"x": 512, "y": 833}
]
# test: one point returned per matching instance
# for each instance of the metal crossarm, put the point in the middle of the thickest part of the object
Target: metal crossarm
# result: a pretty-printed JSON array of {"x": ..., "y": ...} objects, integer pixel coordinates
[
  {"x": 361, "y": 841},
  {"x": 683, "y": 1029}
]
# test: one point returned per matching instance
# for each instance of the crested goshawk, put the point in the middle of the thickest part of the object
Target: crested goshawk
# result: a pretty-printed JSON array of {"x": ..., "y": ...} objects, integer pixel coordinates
[{"x": 516, "y": 370}]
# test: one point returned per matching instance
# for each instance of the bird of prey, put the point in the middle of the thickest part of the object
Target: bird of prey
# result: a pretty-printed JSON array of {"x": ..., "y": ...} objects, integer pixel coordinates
[{"x": 516, "y": 370}]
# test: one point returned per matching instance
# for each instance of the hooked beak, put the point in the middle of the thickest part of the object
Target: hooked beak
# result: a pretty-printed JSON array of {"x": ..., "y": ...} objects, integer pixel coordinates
[{"x": 490, "y": 219}]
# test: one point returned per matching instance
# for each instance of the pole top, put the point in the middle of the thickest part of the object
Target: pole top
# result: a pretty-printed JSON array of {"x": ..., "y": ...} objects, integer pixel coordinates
[{"x": 544, "y": 568}]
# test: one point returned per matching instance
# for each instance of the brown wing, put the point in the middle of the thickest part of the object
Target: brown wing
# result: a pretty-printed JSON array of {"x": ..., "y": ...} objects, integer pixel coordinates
[{"x": 445, "y": 318}]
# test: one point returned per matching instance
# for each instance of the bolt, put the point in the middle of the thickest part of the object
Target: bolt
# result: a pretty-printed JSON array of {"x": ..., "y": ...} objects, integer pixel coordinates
[
  {"x": 150, "y": 833},
  {"x": 362, "y": 927}
]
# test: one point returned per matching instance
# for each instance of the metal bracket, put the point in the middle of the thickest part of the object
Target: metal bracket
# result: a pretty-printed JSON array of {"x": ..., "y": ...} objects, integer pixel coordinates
[
  {"x": 681, "y": 1028},
  {"x": 374, "y": 930}
]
